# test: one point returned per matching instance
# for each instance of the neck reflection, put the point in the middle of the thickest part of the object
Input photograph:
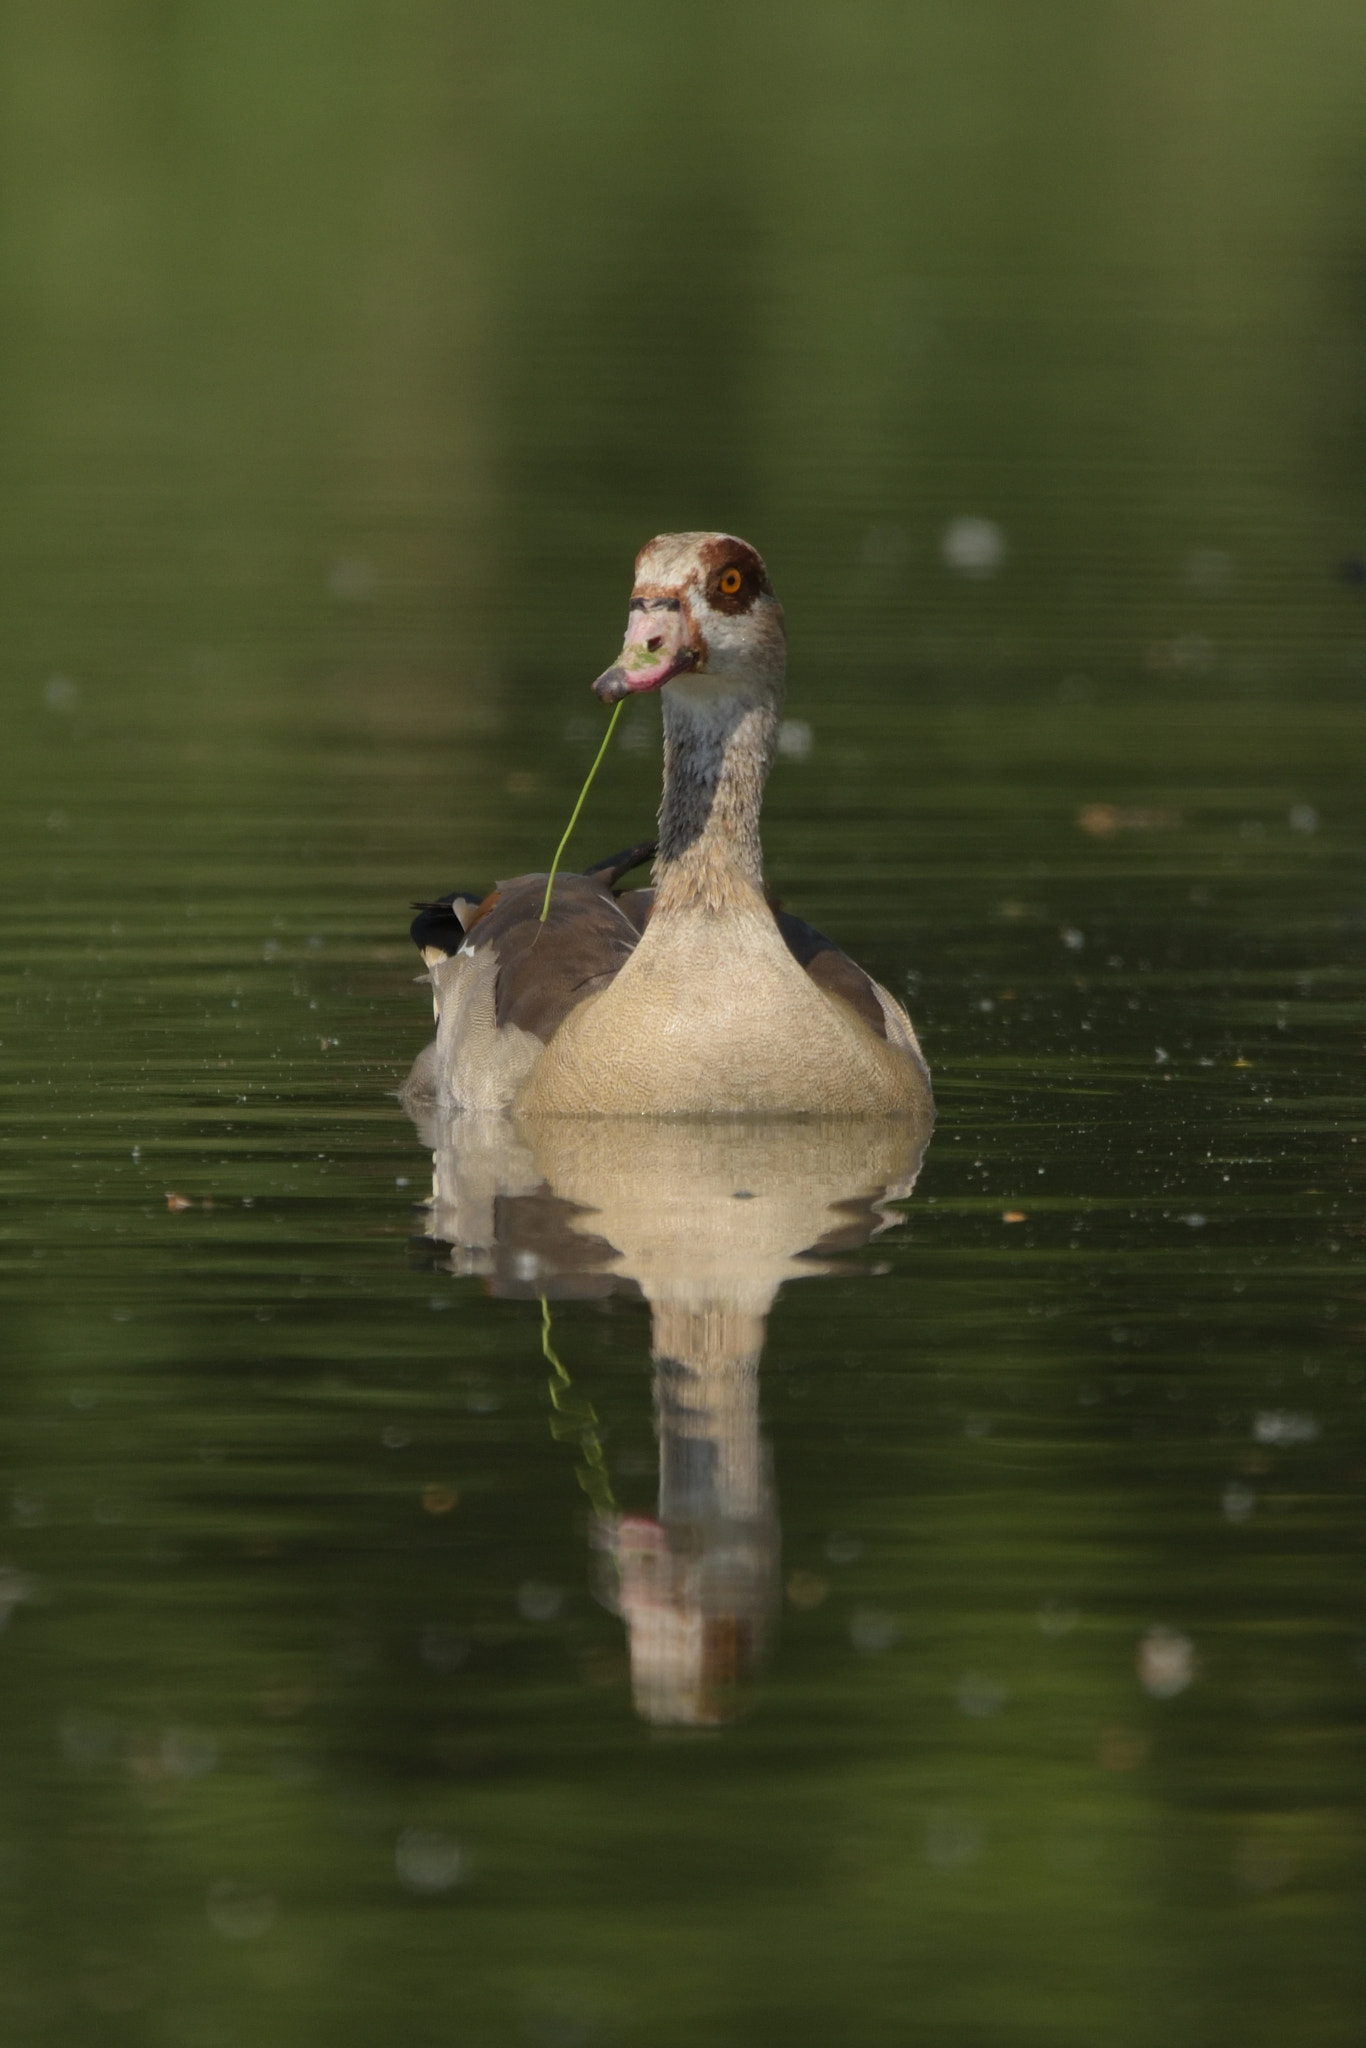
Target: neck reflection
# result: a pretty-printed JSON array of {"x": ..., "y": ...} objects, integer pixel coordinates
[{"x": 706, "y": 1221}]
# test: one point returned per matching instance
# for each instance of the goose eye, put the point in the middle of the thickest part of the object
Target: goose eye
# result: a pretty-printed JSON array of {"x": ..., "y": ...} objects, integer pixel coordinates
[{"x": 730, "y": 582}]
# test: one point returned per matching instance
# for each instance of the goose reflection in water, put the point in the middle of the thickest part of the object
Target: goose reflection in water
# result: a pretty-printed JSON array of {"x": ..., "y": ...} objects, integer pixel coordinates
[{"x": 705, "y": 1221}]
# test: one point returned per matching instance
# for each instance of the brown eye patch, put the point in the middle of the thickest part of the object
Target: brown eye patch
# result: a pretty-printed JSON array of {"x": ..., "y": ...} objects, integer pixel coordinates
[{"x": 735, "y": 577}]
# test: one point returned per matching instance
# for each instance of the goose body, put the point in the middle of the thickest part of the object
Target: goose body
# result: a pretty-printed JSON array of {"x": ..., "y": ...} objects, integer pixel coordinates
[{"x": 694, "y": 998}]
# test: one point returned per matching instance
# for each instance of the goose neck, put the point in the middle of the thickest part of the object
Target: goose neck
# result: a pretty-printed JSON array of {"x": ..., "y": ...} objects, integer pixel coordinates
[{"x": 717, "y": 754}]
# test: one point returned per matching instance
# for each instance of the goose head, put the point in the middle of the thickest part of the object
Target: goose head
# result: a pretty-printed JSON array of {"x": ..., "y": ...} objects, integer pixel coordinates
[{"x": 703, "y": 618}]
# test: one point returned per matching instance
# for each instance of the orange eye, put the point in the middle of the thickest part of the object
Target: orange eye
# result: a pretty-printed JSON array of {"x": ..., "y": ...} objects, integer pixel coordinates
[{"x": 730, "y": 582}]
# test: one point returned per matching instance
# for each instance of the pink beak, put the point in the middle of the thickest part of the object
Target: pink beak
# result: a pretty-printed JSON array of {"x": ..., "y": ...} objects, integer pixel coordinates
[{"x": 656, "y": 650}]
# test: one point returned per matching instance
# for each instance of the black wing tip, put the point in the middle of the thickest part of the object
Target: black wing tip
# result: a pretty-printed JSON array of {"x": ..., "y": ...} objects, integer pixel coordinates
[
  {"x": 612, "y": 869},
  {"x": 443, "y": 922},
  {"x": 803, "y": 940}
]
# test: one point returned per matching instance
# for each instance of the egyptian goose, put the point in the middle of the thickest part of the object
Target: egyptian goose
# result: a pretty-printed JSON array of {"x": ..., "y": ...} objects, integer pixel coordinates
[{"x": 694, "y": 998}]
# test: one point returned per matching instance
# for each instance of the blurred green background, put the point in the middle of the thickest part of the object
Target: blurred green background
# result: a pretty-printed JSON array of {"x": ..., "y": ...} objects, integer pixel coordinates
[{"x": 349, "y": 352}]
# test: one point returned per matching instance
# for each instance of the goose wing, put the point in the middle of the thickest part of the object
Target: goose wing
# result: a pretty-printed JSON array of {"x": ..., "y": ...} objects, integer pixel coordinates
[
  {"x": 833, "y": 970},
  {"x": 545, "y": 970},
  {"x": 542, "y": 971}
]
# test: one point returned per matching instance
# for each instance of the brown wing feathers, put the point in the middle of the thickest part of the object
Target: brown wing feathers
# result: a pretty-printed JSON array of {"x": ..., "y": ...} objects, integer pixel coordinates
[
  {"x": 545, "y": 970},
  {"x": 441, "y": 925},
  {"x": 831, "y": 969}
]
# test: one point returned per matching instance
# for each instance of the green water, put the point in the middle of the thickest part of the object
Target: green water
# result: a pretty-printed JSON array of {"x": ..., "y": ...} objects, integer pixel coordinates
[{"x": 348, "y": 355}]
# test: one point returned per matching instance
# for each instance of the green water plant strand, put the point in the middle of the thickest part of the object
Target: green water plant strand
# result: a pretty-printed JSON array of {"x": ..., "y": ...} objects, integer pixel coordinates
[
  {"x": 576, "y": 1421},
  {"x": 574, "y": 815}
]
